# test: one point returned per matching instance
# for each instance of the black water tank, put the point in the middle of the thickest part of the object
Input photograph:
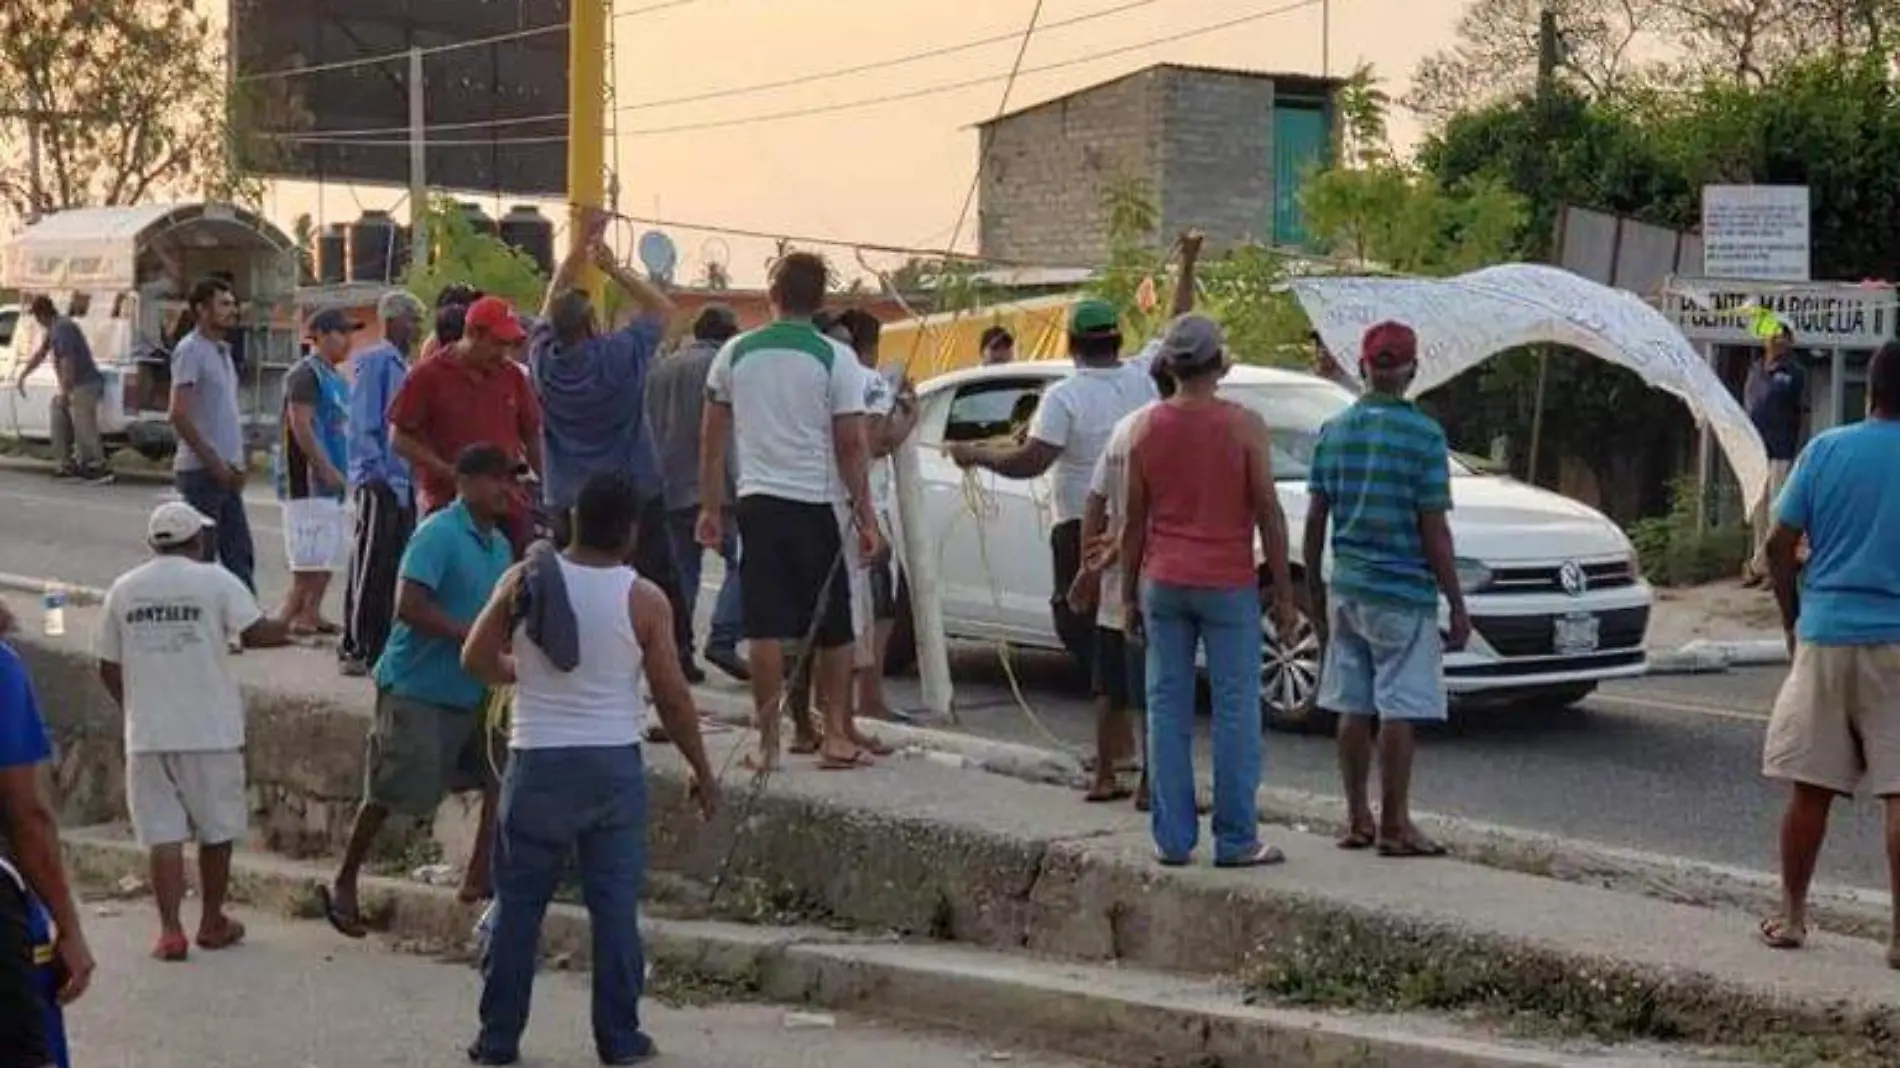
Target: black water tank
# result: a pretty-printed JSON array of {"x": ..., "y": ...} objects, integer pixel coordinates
[
  {"x": 333, "y": 254},
  {"x": 478, "y": 219},
  {"x": 372, "y": 240},
  {"x": 526, "y": 230},
  {"x": 400, "y": 256}
]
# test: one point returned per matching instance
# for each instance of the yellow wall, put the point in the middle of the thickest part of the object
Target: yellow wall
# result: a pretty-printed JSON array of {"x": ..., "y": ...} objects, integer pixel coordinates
[{"x": 937, "y": 344}]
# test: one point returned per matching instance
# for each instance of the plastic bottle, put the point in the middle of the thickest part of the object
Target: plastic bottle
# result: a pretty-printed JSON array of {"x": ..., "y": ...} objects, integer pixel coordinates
[
  {"x": 484, "y": 930},
  {"x": 55, "y": 604}
]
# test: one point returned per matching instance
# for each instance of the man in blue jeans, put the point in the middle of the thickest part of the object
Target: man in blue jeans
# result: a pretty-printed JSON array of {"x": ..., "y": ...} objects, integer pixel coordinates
[
  {"x": 588, "y": 635},
  {"x": 676, "y": 403},
  {"x": 1381, "y": 475},
  {"x": 211, "y": 465}
]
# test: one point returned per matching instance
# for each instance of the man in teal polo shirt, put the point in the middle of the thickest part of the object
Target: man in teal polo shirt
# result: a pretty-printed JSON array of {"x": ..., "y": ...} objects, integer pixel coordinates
[{"x": 428, "y": 740}]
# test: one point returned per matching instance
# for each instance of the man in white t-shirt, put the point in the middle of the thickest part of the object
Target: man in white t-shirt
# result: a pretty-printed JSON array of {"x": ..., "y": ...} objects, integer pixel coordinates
[
  {"x": 1120, "y": 669},
  {"x": 163, "y": 644},
  {"x": 1071, "y": 428},
  {"x": 792, "y": 403}
]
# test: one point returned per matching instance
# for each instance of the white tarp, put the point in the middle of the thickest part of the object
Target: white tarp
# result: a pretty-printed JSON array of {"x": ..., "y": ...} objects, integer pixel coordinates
[{"x": 1463, "y": 321}]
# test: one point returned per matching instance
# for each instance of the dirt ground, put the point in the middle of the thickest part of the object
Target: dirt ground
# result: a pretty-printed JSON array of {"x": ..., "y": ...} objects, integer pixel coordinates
[{"x": 1721, "y": 611}]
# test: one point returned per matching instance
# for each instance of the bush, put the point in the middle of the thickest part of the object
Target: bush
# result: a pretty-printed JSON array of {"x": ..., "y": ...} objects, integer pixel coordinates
[{"x": 1673, "y": 552}]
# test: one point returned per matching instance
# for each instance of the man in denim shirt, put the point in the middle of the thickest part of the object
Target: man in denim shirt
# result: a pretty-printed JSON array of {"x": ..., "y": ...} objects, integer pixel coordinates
[{"x": 379, "y": 479}]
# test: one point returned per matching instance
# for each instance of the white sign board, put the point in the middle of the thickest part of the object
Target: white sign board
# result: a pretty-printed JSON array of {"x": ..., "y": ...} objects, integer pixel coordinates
[
  {"x": 1822, "y": 315},
  {"x": 1757, "y": 232}
]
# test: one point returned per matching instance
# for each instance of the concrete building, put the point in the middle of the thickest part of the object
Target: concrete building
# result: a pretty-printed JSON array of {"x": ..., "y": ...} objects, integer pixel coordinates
[{"x": 1224, "y": 150}]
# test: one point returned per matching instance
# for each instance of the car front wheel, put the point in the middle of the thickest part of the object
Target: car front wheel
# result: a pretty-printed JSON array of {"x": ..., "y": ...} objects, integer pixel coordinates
[{"x": 1290, "y": 673}]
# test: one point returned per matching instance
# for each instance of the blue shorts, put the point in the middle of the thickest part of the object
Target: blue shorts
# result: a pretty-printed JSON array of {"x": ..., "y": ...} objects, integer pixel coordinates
[{"x": 1383, "y": 662}]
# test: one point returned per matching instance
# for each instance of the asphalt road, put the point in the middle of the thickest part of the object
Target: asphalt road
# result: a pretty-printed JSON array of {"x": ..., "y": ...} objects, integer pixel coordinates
[
  {"x": 1666, "y": 765},
  {"x": 297, "y": 996}
]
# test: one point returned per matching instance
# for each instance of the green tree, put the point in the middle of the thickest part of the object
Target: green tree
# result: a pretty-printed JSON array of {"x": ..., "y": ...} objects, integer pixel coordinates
[
  {"x": 460, "y": 253},
  {"x": 106, "y": 102}
]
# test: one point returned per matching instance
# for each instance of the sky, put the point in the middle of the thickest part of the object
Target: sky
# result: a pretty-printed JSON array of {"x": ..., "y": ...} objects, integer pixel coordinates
[{"x": 895, "y": 173}]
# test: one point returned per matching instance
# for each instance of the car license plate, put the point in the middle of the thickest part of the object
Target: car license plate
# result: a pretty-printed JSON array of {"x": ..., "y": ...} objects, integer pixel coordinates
[{"x": 1576, "y": 633}]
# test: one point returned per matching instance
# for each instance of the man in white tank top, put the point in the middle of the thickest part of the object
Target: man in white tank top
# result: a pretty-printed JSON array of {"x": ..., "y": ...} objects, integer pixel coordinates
[{"x": 576, "y": 782}]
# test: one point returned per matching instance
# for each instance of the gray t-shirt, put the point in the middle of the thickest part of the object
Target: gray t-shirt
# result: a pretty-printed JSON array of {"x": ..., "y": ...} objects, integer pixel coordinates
[
  {"x": 676, "y": 400},
  {"x": 72, "y": 356},
  {"x": 206, "y": 366}
]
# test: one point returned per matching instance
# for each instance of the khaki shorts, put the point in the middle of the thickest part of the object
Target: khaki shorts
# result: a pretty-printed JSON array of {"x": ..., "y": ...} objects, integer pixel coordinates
[
  {"x": 186, "y": 797},
  {"x": 1836, "y": 724}
]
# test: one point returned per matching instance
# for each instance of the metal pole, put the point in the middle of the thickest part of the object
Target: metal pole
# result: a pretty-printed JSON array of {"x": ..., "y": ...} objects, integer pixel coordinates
[
  {"x": 586, "y": 118},
  {"x": 1537, "y": 414},
  {"x": 418, "y": 166},
  {"x": 1326, "y": 38}
]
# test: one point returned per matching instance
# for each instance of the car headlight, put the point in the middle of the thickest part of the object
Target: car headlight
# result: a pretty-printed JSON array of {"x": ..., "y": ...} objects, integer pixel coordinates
[{"x": 1472, "y": 575}]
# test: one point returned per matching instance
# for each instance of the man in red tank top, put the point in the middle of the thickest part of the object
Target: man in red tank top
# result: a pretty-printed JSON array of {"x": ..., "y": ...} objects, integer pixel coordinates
[{"x": 1200, "y": 485}]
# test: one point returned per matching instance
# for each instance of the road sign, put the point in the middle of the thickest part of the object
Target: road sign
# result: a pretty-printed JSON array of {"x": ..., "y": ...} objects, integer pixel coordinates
[
  {"x": 1755, "y": 232},
  {"x": 1822, "y": 315}
]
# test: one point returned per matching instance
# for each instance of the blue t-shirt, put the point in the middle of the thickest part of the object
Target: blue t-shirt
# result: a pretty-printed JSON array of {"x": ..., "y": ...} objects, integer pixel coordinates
[
  {"x": 1844, "y": 494},
  {"x": 460, "y": 564},
  {"x": 593, "y": 408},
  {"x": 1379, "y": 464},
  {"x": 23, "y": 741}
]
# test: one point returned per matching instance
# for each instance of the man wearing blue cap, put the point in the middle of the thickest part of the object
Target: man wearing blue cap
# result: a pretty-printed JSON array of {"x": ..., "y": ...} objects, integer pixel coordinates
[{"x": 313, "y": 453}]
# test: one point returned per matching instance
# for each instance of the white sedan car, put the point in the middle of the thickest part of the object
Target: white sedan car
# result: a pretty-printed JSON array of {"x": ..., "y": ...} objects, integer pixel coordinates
[{"x": 1556, "y": 601}]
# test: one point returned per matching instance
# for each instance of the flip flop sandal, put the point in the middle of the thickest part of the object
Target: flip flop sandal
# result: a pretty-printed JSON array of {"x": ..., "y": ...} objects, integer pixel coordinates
[
  {"x": 224, "y": 938},
  {"x": 348, "y": 923},
  {"x": 1103, "y": 796},
  {"x": 855, "y": 761},
  {"x": 751, "y": 763},
  {"x": 1778, "y": 933},
  {"x": 1423, "y": 847},
  {"x": 1355, "y": 840},
  {"x": 1262, "y": 856},
  {"x": 804, "y": 748},
  {"x": 171, "y": 948},
  {"x": 1167, "y": 861}
]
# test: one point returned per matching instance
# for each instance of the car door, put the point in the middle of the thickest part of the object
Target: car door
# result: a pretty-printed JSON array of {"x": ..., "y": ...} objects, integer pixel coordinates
[{"x": 991, "y": 538}]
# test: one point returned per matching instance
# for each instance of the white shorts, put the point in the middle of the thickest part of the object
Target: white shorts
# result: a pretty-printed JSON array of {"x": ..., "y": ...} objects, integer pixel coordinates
[
  {"x": 316, "y": 534},
  {"x": 185, "y": 797}
]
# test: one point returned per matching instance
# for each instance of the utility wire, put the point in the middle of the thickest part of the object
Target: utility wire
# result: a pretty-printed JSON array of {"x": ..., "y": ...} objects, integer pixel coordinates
[
  {"x": 823, "y": 109},
  {"x": 744, "y": 90},
  {"x": 403, "y": 54}
]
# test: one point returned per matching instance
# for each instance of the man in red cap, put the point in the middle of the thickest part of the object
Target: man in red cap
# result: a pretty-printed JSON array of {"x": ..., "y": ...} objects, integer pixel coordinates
[
  {"x": 1381, "y": 473},
  {"x": 473, "y": 394}
]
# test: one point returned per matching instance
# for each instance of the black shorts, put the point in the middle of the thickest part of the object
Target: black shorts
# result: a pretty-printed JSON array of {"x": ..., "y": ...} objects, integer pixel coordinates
[
  {"x": 883, "y": 594},
  {"x": 792, "y": 568},
  {"x": 23, "y": 1040},
  {"x": 1121, "y": 670}
]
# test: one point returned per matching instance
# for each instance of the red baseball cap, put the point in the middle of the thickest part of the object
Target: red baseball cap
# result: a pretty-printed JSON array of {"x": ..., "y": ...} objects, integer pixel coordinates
[
  {"x": 496, "y": 318},
  {"x": 1389, "y": 346}
]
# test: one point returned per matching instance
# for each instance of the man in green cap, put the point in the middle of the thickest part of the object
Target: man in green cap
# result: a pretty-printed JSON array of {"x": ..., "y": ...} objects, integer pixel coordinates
[{"x": 1071, "y": 428}]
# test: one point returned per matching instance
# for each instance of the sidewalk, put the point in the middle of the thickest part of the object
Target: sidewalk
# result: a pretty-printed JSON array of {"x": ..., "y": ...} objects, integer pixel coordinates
[{"x": 933, "y": 847}]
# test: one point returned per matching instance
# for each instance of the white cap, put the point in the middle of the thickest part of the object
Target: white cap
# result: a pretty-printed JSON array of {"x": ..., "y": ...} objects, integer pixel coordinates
[{"x": 174, "y": 523}]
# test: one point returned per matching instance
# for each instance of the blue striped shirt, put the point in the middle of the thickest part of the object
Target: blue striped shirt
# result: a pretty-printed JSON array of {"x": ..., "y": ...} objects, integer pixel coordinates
[{"x": 1380, "y": 464}]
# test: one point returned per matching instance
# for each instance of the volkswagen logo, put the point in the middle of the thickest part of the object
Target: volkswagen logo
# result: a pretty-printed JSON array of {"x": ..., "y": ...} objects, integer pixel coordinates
[{"x": 1572, "y": 578}]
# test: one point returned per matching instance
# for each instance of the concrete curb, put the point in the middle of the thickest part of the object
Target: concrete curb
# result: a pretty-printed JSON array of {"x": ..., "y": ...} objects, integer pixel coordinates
[
  {"x": 34, "y": 464},
  {"x": 1841, "y": 910},
  {"x": 1108, "y": 1013},
  {"x": 1705, "y": 655},
  {"x": 85, "y": 595}
]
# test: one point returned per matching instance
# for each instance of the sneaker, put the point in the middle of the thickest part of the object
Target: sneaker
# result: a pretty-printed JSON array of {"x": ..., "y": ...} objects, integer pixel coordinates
[
  {"x": 66, "y": 473},
  {"x": 478, "y": 1055},
  {"x": 729, "y": 661},
  {"x": 352, "y": 668},
  {"x": 100, "y": 477},
  {"x": 644, "y": 1049}
]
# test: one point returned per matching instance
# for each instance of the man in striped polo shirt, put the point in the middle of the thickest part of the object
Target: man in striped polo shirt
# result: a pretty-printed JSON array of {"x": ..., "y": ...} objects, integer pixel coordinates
[{"x": 1381, "y": 474}]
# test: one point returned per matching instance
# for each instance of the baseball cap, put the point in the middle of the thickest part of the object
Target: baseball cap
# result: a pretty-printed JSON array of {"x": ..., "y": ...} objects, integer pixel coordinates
[
  {"x": 333, "y": 321},
  {"x": 398, "y": 303},
  {"x": 174, "y": 523},
  {"x": 1094, "y": 317},
  {"x": 1389, "y": 346},
  {"x": 496, "y": 318},
  {"x": 1192, "y": 342}
]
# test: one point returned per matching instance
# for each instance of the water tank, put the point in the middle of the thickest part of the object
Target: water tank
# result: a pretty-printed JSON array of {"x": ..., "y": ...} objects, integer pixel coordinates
[
  {"x": 478, "y": 219},
  {"x": 372, "y": 240},
  {"x": 333, "y": 254},
  {"x": 528, "y": 231},
  {"x": 399, "y": 257}
]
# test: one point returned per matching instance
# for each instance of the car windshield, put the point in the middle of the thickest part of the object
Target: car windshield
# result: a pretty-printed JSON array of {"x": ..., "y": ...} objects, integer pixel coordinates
[{"x": 1294, "y": 414}]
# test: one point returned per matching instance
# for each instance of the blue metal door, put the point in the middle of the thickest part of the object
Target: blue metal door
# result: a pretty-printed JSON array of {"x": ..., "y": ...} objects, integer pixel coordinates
[{"x": 1301, "y": 145}]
